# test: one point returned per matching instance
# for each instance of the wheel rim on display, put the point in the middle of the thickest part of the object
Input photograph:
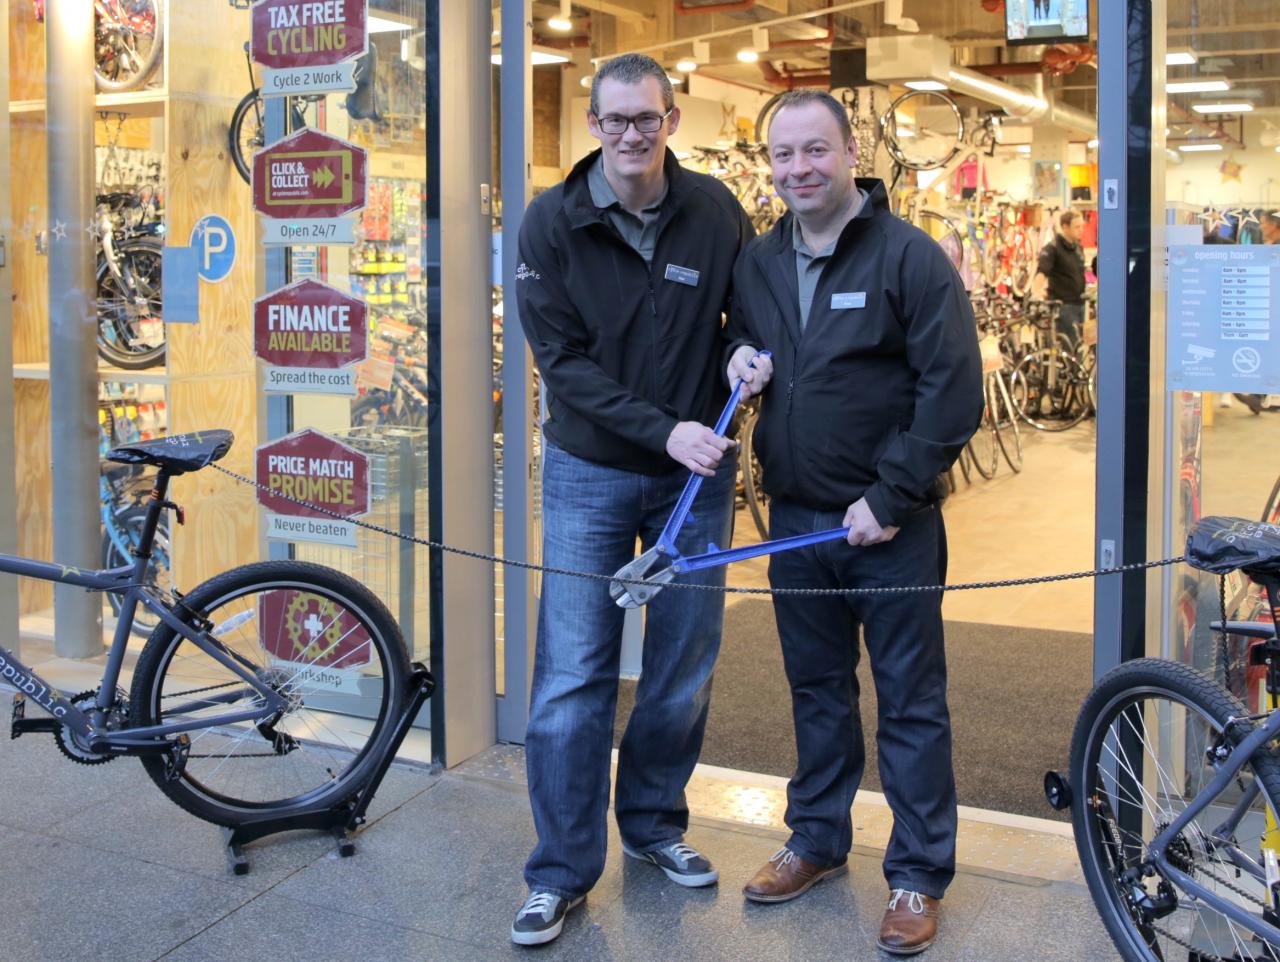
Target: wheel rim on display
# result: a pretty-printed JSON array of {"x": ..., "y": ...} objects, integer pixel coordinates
[
  {"x": 330, "y": 661},
  {"x": 130, "y": 325},
  {"x": 922, "y": 130},
  {"x": 127, "y": 43},
  {"x": 1131, "y": 789}
]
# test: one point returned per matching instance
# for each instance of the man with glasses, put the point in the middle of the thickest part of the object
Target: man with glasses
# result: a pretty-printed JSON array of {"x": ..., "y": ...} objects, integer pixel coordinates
[{"x": 624, "y": 276}]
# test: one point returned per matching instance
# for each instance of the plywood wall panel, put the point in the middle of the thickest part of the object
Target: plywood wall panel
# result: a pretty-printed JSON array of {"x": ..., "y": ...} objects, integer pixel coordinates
[{"x": 35, "y": 509}]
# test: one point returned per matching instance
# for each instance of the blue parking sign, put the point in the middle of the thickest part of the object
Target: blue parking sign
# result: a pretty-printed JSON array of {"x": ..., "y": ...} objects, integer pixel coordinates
[{"x": 215, "y": 244}]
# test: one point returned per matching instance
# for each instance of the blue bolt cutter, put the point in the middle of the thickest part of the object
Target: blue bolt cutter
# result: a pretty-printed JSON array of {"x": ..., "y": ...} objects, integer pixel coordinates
[{"x": 644, "y": 572}]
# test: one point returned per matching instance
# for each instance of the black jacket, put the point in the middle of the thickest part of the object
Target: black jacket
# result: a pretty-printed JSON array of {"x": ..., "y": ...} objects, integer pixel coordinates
[
  {"x": 627, "y": 351},
  {"x": 1062, "y": 264},
  {"x": 873, "y": 401}
]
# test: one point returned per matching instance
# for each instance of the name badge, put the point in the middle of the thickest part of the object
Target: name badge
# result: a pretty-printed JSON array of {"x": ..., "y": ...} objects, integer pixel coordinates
[
  {"x": 683, "y": 275},
  {"x": 848, "y": 300}
]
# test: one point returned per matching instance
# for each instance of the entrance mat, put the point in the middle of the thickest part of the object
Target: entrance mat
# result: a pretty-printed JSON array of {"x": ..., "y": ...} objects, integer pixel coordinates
[{"x": 1013, "y": 692}]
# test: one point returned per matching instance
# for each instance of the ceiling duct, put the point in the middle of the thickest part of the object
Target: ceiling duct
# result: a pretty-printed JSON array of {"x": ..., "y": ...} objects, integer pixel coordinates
[{"x": 897, "y": 59}]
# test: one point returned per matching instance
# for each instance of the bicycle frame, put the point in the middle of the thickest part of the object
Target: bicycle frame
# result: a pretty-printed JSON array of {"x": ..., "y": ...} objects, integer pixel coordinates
[{"x": 127, "y": 582}]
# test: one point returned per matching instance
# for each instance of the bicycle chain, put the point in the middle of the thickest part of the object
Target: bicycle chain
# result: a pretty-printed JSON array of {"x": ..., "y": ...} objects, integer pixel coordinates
[{"x": 725, "y": 589}]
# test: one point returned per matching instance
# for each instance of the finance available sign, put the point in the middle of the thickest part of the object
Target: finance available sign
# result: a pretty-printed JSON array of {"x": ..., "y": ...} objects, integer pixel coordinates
[
  {"x": 311, "y": 337},
  {"x": 306, "y": 184},
  {"x": 308, "y": 46},
  {"x": 321, "y": 471}
]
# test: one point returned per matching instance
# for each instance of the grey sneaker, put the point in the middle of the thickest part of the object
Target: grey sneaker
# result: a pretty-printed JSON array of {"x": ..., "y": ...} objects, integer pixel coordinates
[
  {"x": 683, "y": 864},
  {"x": 541, "y": 918}
]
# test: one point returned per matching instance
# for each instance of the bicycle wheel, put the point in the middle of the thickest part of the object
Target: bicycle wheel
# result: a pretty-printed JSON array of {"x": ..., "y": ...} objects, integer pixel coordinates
[
  {"x": 1050, "y": 389},
  {"x": 1271, "y": 514},
  {"x": 128, "y": 39},
  {"x": 129, "y": 526},
  {"x": 943, "y": 230},
  {"x": 311, "y": 633},
  {"x": 922, "y": 130},
  {"x": 130, "y": 310},
  {"x": 753, "y": 477},
  {"x": 1143, "y": 748},
  {"x": 1008, "y": 434},
  {"x": 982, "y": 446},
  {"x": 245, "y": 135}
]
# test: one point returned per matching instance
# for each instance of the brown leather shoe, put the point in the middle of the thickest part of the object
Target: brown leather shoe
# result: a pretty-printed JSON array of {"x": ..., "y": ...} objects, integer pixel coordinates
[
  {"x": 910, "y": 923},
  {"x": 787, "y": 876}
]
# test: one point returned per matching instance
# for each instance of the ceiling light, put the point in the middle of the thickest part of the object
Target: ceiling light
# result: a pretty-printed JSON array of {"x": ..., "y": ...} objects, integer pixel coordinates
[
  {"x": 1240, "y": 108},
  {"x": 1196, "y": 86},
  {"x": 384, "y": 23},
  {"x": 905, "y": 132},
  {"x": 687, "y": 65},
  {"x": 674, "y": 79},
  {"x": 1181, "y": 57},
  {"x": 586, "y": 80},
  {"x": 1191, "y": 148},
  {"x": 538, "y": 56},
  {"x": 925, "y": 85},
  {"x": 1093, "y": 143},
  {"x": 747, "y": 55},
  {"x": 1024, "y": 148},
  {"x": 561, "y": 21}
]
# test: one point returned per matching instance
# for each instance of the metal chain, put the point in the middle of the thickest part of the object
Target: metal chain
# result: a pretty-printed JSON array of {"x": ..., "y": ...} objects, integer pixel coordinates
[
  {"x": 1223, "y": 651},
  {"x": 804, "y": 592}
]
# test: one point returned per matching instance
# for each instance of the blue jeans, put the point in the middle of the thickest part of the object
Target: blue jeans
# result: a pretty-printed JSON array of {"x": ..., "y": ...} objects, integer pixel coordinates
[
  {"x": 903, "y": 635},
  {"x": 592, "y": 515},
  {"x": 1071, "y": 321}
]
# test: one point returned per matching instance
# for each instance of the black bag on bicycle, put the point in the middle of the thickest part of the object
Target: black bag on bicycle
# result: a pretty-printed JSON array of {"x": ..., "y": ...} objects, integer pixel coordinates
[{"x": 1221, "y": 545}]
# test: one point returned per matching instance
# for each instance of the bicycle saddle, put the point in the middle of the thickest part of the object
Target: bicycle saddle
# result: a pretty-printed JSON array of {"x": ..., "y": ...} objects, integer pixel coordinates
[
  {"x": 1221, "y": 545},
  {"x": 178, "y": 453}
]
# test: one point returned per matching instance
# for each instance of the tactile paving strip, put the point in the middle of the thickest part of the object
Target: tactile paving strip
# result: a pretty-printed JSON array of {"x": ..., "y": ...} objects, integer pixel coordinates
[{"x": 1028, "y": 850}]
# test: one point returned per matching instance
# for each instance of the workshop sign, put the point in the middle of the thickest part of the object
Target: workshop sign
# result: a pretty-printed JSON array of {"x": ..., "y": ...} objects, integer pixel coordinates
[
  {"x": 319, "y": 470},
  {"x": 319, "y": 638},
  {"x": 305, "y": 185},
  {"x": 311, "y": 337},
  {"x": 308, "y": 46}
]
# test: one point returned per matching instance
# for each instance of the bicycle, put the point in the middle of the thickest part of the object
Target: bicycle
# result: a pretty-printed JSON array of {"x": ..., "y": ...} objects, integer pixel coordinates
[
  {"x": 130, "y": 303},
  {"x": 1050, "y": 385},
  {"x": 1174, "y": 786},
  {"x": 246, "y": 134},
  {"x": 128, "y": 36},
  {"x": 751, "y": 470},
  {"x": 271, "y": 692}
]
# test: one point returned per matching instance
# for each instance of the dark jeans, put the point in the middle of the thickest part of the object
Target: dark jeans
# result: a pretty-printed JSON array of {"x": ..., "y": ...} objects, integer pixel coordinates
[
  {"x": 1071, "y": 321},
  {"x": 903, "y": 635},
  {"x": 592, "y": 515}
]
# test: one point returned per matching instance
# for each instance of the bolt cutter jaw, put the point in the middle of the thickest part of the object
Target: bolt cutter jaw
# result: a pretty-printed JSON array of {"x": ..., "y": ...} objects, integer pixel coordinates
[{"x": 630, "y": 595}]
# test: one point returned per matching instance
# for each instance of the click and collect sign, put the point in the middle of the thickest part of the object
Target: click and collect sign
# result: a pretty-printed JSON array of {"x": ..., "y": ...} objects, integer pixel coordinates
[
  {"x": 319, "y": 470},
  {"x": 311, "y": 337},
  {"x": 1222, "y": 330},
  {"x": 308, "y": 46},
  {"x": 305, "y": 184}
]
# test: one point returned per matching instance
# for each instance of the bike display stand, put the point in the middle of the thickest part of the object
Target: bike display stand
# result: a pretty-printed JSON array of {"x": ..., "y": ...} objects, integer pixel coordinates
[{"x": 345, "y": 818}]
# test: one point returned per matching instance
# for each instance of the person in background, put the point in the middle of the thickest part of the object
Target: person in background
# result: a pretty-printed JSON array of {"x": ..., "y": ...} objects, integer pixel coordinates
[
  {"x": 623, "y": 281},
  {"x": 1060, "y": 274},
  {"x": 877, "y": 386}
]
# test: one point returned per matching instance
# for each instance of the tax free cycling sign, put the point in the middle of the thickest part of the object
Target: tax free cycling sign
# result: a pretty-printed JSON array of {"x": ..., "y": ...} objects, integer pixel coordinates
[
  {"x": 311, "y": 337},
  {"x": 320, "y": 470},
  {"x": 308, "y": 46}
]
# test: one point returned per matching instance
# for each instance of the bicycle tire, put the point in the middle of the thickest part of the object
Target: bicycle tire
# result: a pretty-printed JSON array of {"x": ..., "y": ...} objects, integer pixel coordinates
[
  {"x": 1111, "y": 797},
  {"x": 249, "y": 109},
  {"x": 1271, "y": 513},
  {"x": 982, "y": 445},
  {"x": 131, "y": 521},
  {"x": 753, "y": 476},
  {"x": 1005, "y": 417},
  {"x": 1049, "y": 407},
  {"x": 105, "y": 51},
  {"x": 889, "y": 132},
  {"x": 119, "y": 340},
  {"x": 268, "y": 598},
  {"x": 944, "y": 233}
]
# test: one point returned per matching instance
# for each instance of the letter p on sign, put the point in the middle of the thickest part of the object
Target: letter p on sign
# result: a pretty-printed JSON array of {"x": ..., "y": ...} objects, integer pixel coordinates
[{"x": 215, "y": 245}]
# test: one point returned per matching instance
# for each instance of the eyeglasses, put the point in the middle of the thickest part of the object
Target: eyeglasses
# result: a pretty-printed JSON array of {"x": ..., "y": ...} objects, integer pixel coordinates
[{"x": 644, "y": 123}]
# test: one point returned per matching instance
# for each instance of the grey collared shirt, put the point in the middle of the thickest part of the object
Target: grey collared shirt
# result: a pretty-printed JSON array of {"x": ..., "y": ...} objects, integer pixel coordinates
[
  {"x": 809, "y": 265},
  {"x": 640, "y": 232}
]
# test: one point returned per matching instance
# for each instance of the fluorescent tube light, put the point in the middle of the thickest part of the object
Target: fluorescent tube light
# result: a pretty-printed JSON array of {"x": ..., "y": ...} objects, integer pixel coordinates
[
  {"x": 1192, "y": 148},
  {"x": 1240, "y": 108},
  {"x": 1197, "y": 86}
]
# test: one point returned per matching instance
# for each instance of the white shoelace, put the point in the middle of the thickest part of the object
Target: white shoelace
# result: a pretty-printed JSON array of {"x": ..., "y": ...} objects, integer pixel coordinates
[
  {"x": 539, "y": 903},
  {"x": 783, "y": 856},
  {"x": 683, "y": 852},
  {"x": 915, "y": 903}
]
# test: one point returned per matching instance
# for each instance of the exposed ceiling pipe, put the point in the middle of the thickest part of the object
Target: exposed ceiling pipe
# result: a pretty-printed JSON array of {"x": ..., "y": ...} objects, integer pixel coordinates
[
  {"x": 826, "y": 40},
  {"x": 684, "y": 9},
  {"x": 1026, "y": 104},
  {"x": 789, "y": 80}
]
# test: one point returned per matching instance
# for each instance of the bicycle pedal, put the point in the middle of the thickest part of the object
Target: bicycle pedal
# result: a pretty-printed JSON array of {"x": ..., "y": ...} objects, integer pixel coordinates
[
  {"x": 18, "y": 714},
  {"x": 175, "y": 761},
  {"x": 20, "y": 724}
]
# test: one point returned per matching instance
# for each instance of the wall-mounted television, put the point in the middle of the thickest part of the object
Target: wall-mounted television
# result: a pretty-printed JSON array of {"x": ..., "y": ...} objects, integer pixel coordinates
[{"x": 1046, "y": 21}]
